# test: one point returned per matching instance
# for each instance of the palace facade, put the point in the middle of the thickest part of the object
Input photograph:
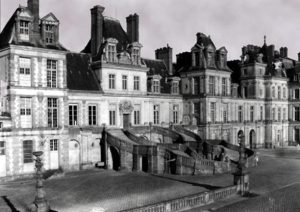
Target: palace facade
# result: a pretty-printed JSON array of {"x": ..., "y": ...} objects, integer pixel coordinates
[{"x": 59, "y": 101}]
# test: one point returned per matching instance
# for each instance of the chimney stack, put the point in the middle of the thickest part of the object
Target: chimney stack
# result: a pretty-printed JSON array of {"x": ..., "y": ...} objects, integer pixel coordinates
[
  {"x": 299, "y": 57},
  {"x": 133, "y": 27},
  {"x": 96, "y": 28},
  {"x": 34, "y": 8},
  {"x": 283, "y": 52},
  {"x": 166, "y": 54}
]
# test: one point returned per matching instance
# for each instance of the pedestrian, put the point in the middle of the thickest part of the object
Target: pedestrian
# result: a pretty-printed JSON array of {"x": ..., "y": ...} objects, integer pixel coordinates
[{"x": 256, "y": 159}]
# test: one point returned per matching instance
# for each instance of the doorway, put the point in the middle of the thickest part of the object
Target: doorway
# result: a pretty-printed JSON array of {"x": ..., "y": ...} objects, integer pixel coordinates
[
  {"x": 53, "y": 153},
  {"x": 126, "y": 121},
  {"x": 115, "y": 158},
  {"x": 252, "y": 139},
  {"x": 145, "y": 163},
  {"x": 2, "y": 159}
]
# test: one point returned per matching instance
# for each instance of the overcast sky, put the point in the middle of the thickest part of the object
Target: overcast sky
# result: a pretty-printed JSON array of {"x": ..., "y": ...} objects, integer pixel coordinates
[{"x": 230, "y": 23}]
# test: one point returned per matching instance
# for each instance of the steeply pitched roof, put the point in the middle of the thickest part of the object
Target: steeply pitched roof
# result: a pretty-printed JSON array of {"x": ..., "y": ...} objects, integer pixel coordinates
[
  {"x": 112, "y": 29},
  {"x": 79, "y": 74},
  {"x": 156, "y": 67},
  {"x": 8, "y": 35}
]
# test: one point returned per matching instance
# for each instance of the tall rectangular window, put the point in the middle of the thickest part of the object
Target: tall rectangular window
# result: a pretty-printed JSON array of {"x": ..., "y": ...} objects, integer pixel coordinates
[
  {"x": 136, "y": 83},
  {"x": 279, "y": 114},
  {"x": 279, "y": 93},
  {"x": 251, "y": 113},
  {"x": 52, "y": 112},
  {"x": 284, "y": 114},
  {"x": 175, "y": 87},
  {"x": 261, "y": 113},
  {"x": 284, "y": 93},
  {"x": 27, "y": 151},
  {"x": 196, "y": 85},
  {"x": 49, "y": 34},
  {"x": 197, "y": 112},
  {"x": 213, "y": 112},
  {"x": 297, "y": 94},
  {"x": 297, "y": 114},
  {"x": 24, "y": 30},
  {"x": 124, "y": 82},
  {"x": 156, "y": 114},
  {"x": 273, "y": 92},
  {"x": 240, "y": 113},
  {"x": 52, "y": 73},
  {"x": 211, "y": 85},
  {"x": 111, "y": 52},
  {"x": 136, "y": 117},
  {"x": 111, "y": 81},
  {"x": 53, "y": 145},
  {"x": 175, "y": 114},
  {"x": 92, "y": 115},
  {"x": 135, "y": 55},
  {"x": 297, "y": 134},
  {"x": 73, "y": 115},
  {"x": 273, "y": 114},
  {"x": 25, "y": 112},
  {"x": 112, "y": 117},
  {"x": 2, "y": 147},
  {"x": 156, "y": 86},
  {"x": 25, "y": 71},
  {"x": 224, "y": 86}
]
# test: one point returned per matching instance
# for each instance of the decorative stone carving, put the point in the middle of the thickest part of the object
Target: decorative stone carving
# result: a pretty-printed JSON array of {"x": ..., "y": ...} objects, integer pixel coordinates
[{"x": 126, "y": 107}]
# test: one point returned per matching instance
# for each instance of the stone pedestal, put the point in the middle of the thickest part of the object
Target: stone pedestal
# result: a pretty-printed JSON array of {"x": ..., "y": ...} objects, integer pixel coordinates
[
  {"x": 40, "y": 204},
  {"x": 241, "y": 179}
]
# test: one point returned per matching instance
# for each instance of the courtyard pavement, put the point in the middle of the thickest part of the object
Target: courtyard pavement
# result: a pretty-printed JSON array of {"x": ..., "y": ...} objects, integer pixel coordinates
[{"x": 85, "y": 190}]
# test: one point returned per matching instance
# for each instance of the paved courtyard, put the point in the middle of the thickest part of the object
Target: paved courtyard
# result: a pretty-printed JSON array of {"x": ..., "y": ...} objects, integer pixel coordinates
[{"x": 83, "y": 191}]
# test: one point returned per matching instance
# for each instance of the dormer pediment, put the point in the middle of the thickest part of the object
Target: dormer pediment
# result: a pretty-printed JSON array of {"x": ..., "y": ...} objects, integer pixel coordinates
[
  {"x": 197, "y": 47},
  {"x": 50, "y": 19},
  {"x": 25, "y": 14},
  {"x": 112, "y": 40},
  {"x": 223, "y": 50},
  {"x": 210, "y": 48}
]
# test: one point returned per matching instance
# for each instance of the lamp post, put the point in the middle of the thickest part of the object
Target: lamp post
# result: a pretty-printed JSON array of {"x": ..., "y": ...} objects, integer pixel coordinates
[{"x": 40, "y": 204}]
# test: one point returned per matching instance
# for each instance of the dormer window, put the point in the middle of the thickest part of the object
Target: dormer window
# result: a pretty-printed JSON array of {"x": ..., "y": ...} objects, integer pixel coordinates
[
  {"x": 111, "y": 52},
  {"x": 155, "y": 86},
  {"x": 135, "y": 55},
  {"x": 49, "y": 34},
  {"x": 24, "y": 30},
  {"x": 210, "y": 59},
  {"x": 175, "y": 87}
]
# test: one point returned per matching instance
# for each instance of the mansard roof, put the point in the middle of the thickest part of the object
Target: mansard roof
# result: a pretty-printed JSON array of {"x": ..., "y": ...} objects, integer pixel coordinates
[
  {"x": 112, "y": 29},
  {"x": 79, "y": 74},
  {"x": 156, "y": 67},
  {"x": 8, "y": 35}
]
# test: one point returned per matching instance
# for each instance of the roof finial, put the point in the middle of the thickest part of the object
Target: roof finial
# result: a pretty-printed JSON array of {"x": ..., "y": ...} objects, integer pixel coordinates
[{"x": 265, "y": 40}]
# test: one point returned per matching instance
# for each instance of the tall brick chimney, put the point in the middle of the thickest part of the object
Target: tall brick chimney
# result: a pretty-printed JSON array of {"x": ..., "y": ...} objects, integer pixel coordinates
[
  {"x": 283, "y": 52},
  {"x": 299, "y": 57},
  {"x": 166, "y": 54},
  {"x": 133, "y": 27},
  {"x": 34, "y": 7},
  {"x": 96, "y": 28}
]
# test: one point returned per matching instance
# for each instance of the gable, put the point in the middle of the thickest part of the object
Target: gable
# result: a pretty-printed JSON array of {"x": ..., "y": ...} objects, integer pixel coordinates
[{"x": 50, "y": 18}]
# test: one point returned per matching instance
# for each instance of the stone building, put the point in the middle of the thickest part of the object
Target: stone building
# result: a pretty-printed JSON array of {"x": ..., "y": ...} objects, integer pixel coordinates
[{"x": 59, "y": 101}]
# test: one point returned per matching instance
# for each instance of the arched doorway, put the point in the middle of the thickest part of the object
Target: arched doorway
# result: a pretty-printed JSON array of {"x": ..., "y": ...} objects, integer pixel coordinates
[
  {"x": 252, "y": 139},
  {"x": 114, "y": 158}
]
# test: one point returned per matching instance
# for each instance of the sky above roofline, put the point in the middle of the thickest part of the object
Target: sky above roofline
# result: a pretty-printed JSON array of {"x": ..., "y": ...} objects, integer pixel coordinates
[{"x": 230, "y": 23}]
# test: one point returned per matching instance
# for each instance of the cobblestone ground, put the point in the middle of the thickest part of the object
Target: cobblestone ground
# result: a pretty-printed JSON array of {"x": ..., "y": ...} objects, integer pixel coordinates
[{"x": 92, "y": 189}]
